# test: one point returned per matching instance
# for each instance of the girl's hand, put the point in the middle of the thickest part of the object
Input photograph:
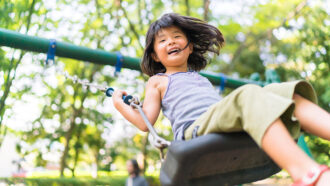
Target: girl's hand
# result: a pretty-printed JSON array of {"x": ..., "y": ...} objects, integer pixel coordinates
[
  {"x": 151, "y": 105},
  {"x": 117, "y": 97}
]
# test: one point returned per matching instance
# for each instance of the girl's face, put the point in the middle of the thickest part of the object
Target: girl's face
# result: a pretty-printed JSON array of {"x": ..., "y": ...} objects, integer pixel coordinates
[
  {"x": 130, "y": 167},
  {"x": 169, "y": 49}
]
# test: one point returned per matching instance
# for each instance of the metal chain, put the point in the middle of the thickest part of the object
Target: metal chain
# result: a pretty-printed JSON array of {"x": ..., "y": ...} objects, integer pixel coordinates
[
  {"x": 75, "y": 80},
  {"x": 157, "y": 141}
]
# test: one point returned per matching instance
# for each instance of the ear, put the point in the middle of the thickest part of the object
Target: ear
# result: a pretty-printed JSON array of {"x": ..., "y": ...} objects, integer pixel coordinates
[
  {"x": 191, "y": 47},
  {"x": 155, "y": 57}
]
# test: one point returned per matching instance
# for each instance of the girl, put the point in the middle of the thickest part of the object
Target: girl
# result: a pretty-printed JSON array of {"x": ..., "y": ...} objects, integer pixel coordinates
[
  {"x": 175, "y": 50},
  {"x": 134, "y": 178}
]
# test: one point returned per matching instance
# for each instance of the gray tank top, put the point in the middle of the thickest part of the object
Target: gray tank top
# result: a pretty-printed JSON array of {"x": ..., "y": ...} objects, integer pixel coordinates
[{"x": 188, "y": 95}]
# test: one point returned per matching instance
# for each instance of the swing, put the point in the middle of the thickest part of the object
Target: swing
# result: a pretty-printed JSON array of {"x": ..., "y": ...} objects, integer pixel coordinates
[
  {"x": 212, "y": 159},
  {"x": 216, "y": 159}
]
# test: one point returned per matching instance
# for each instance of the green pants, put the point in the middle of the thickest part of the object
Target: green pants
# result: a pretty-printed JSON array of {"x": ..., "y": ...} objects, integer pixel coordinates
[{"x": 253, "y": 109}]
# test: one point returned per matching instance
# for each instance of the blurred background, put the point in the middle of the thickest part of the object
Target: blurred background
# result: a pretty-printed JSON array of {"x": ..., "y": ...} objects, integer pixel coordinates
[{"x": 54, "y": 130}]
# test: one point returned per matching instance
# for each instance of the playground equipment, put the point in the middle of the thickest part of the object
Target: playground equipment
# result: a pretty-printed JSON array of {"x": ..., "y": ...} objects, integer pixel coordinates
[
  {"x": 213, "y": 159},
  {"x": 41, "y": 45}
]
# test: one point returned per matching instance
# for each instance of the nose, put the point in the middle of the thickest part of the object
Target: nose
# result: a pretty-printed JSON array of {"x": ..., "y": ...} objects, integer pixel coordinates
[{"x": 171, "y": 41}]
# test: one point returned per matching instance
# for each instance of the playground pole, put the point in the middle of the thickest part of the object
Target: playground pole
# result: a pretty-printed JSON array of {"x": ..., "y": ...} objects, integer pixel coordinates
[{"x": 63, "y": 49}]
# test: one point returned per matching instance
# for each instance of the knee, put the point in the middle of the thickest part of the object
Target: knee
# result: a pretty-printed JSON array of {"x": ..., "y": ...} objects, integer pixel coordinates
[{"x": 296, "y": 96}]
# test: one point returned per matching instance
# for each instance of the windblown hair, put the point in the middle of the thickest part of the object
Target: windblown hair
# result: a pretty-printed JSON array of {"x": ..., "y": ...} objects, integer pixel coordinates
[
  {"x": 203, "y": 36},
  {"x": 135, "y": 166}
]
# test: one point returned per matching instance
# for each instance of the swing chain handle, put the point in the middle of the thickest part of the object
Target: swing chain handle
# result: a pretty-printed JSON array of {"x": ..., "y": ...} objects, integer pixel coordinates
[
  {"x": 134, "y": 102},
  {"x": 159, "y": 142}
]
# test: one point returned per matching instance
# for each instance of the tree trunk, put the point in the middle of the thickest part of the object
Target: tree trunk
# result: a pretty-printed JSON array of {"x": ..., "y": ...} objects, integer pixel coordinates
[
  {"x": 206, "y": 9},
  {"x": 77, "y": 151},
  {"x": 68, "y": 137},
  {"x": 144, "y": 152},
  {"x": 76, "y": 113},
  {"x": 96, "y": 157},
  {"x": 187, "y": 7}
]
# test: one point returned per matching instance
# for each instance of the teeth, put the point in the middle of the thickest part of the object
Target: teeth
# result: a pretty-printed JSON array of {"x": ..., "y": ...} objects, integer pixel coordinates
[{"x": 173, "y": 51}]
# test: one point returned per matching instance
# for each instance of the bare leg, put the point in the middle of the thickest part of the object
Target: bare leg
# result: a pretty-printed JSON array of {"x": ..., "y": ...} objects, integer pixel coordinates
[
  {"x": 280, "y": 146},
  {"x": 312, "y": 118}
]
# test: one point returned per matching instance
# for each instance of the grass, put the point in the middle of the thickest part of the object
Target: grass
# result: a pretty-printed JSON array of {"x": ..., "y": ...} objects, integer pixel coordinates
[
  {"x": 82, "y": 178},
  {"x": 67, "y": 173}
]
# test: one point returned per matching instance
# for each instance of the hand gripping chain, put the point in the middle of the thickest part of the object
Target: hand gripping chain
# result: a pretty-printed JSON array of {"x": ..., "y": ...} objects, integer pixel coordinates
[
  {"x": 157, "y": 141},
  {"x": 134, "y": 102}
]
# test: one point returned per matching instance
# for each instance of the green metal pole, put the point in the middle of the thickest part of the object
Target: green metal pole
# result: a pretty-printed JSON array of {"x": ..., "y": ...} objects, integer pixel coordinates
[
  {"x": 35, "y": 44},
  {"x": 230, "y": 82},
  {"x": 303, "y": 146}
]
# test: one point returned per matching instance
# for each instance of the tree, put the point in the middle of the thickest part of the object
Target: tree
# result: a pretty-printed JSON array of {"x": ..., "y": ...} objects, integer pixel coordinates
[
  {"x": 14, "y": 19},
  {"x": 289, "y": 36}
]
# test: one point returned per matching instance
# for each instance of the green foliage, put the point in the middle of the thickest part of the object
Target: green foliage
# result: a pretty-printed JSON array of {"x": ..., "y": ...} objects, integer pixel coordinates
[
  {"x": 285, "y": 35},
  {"x": 320, "y": 149},
  {"x": 17, "y": 16}
]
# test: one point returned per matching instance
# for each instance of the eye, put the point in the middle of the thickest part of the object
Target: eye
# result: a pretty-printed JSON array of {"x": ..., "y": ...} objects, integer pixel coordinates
[
  {"x": 177, "y": 36},
  {"x": 162, "y": 40}
]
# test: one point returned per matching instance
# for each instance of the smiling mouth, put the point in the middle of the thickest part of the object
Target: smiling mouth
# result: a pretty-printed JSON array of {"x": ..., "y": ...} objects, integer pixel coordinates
[{"x": 174, "y": 51}]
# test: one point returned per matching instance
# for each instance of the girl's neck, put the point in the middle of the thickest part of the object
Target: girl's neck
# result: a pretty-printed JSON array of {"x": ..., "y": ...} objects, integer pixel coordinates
[{"x": 175, "y": 70}]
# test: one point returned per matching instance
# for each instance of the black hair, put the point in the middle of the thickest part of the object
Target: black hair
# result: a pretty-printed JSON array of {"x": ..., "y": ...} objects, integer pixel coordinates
[
  {"x": 135, "y": 167},
  {"x": 203, "y": 36}
]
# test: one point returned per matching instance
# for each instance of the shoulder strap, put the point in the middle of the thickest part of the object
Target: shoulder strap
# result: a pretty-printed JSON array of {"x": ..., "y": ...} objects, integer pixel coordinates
[{"x": 161, "y": 74}]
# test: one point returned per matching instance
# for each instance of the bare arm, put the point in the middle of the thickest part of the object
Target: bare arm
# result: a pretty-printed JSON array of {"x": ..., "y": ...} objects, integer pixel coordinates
[{"x": 151, "y": 105}]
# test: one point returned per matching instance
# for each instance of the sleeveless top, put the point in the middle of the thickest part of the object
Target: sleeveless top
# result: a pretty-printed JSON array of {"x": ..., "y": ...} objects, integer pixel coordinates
[{"x": 188, "y": 95}]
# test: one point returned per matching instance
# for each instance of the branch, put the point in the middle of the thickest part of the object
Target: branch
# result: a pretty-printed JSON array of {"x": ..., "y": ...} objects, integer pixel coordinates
[
  {"x": 8, "y": 84},
  {"x": 131, "y": 25},
  {"x": 139, "y": 15},
  {"x": 29, "y": 16}
]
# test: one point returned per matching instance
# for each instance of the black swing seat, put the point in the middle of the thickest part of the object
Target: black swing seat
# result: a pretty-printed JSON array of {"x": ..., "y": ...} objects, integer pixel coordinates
[{"x": 216, "y": 159}]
